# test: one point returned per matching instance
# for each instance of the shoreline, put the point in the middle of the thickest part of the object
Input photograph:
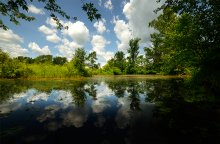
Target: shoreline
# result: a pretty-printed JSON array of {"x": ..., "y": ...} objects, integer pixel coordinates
[{"x": 152, "y": 76}]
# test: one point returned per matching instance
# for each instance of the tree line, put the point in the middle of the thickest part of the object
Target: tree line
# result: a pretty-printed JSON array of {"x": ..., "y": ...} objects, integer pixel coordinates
[
  {"x": 81, "y": 64},
  {"x": 186, "y": 41},
  {"x": 47, "y": 66}
]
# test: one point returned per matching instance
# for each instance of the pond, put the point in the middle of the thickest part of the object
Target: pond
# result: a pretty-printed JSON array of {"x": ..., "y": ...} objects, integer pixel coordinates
[{"x": 106, "y": 110}]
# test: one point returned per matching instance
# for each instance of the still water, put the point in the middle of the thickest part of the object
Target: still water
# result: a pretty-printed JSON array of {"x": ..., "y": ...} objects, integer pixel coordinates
[{"x": 106, "y": 110}]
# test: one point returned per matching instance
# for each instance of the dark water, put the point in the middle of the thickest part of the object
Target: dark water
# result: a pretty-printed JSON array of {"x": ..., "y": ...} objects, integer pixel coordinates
[{"x": 107, "y": 111}]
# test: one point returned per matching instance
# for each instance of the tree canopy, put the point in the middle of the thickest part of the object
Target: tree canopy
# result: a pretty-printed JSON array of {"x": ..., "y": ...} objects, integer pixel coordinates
[{"x": 17, "y": 9}]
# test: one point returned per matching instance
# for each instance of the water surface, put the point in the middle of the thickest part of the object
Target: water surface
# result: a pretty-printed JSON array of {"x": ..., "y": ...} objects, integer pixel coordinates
[{"x": 105, "y": 110}]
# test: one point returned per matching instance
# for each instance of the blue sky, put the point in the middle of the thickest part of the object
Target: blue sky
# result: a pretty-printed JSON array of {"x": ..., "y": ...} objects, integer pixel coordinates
[{"x": 121, "y": 21}]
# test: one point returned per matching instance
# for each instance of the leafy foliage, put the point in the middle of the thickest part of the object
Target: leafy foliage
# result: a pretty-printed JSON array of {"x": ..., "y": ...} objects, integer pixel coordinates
[
  {"x": 12, "y": 68},
  {"x": 133, "y": 54},
  {"x": 91, "y": 11},
  {"x": 14, "y": 10},
  {"x": 59, "y": 60},
  {"x": 78, "y": 62},
  {"x": 91, "y": 60},
  {"x": 188, "y": 37}
]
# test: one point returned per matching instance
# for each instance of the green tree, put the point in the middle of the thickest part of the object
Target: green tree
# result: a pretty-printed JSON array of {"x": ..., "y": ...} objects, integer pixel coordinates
[
  {"x": 44, "y": 59},
  {"x": 59, "y": 60},
  {"x": 91, "y": 60},
  {"x": 4, "y": 57},
  {"x": 12, "y": 68},
  {"x": 23, "y": 59},
  {"x": 133, "y": 52},
  {"x": 190, "y": 32},
  {"x": 171, "y": 52},
  {"x": 78, "y": 62},
  {"x": 141, "y": 65},
  {"x": 120, "y": 61},
  {"x": 18, "y": 9}
]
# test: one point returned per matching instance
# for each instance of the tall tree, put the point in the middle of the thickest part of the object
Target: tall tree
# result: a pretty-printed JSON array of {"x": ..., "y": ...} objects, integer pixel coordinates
[
  {"x": 133, "y": 52},
  {"x": 194, "y": 35},
  {"x": 91, "y": 60},
  {"x": 78, "y": 61},
  {"x": 120, "y": 61}
]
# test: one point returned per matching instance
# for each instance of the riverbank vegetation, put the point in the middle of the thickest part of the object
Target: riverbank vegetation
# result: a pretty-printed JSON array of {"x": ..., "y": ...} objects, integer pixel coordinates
[
  {"x": 186, "y": 42},
  {"x": 81, "y": 65}
]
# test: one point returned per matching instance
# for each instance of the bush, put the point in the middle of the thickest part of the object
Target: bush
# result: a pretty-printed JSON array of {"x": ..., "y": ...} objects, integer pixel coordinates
[{"x": 116, "y": 71}]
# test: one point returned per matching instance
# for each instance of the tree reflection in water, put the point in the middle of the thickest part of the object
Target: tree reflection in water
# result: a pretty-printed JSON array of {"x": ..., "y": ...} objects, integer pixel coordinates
[{"x": 113, "y": 110}]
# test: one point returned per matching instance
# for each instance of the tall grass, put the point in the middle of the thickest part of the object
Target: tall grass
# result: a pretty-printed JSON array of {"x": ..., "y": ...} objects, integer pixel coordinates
[{"x": 49, "y": 71}]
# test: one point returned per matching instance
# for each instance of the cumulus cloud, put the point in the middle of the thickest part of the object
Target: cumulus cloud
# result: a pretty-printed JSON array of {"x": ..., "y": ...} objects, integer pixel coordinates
[
  {"x": 98, "y": 43},
  {"x": 123, "y": 34},
  {"x": 51, "y": 35},
  {"x": 77, "y": 31},
  {"x": 108, "y": 4},
  {"x": 67, "y": 48},
  {"x": 35, "y": 10},
  {"x": 139, "y": 13},
  {"x": 53, "y": 38},
  {"x": 11, "y": 43},
  {"x": 44, "y": 29},
  {"x": 41, "y": 51},
  {"x": 100, "y": 26},
  {"x": 50, "y": 21}
]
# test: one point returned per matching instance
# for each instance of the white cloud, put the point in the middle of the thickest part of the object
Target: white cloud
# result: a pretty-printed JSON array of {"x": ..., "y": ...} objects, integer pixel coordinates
[
  {"x": 98, "y": 43},
  {"x": 11, "y": 43},
  {"x": 77, "y": 31},
  {"x": 52, "y": 22},
  {"x": 9, "y": 36},
  {"x": 139, "y": 13},
  {"x": 51, "y": 33},
  {"x": 53, "y": 38},
  {"x": 123, "y": 34},
  {"x": 44, "y": 29},
  {"x": 100, "y": 26},
  {"x": 68, "y": 48},
  {"x": 108, "y": 4},
  {"x": 35, "y": 10},
  {"x": 41, "y": 51}
]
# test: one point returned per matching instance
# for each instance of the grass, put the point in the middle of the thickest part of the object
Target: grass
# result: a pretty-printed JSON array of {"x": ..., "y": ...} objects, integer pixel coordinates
[{"x": 48, "y": 71}]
